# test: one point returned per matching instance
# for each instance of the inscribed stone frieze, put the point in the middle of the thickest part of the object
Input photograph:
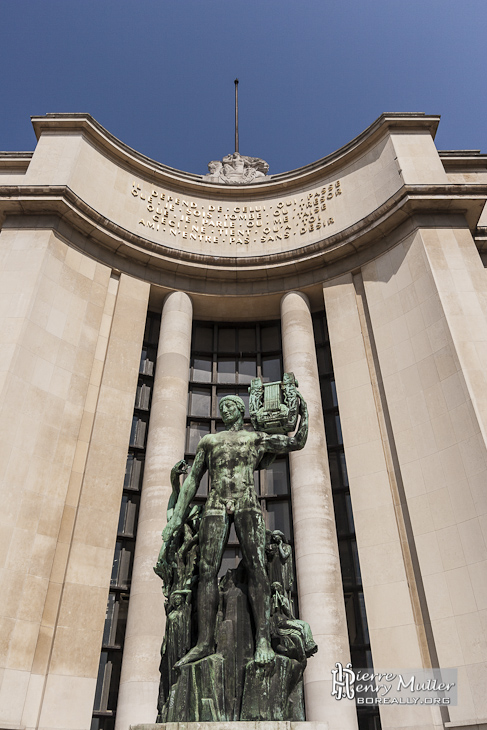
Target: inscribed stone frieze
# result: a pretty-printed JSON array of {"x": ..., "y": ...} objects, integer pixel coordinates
[{"x": 226, "y": 222}]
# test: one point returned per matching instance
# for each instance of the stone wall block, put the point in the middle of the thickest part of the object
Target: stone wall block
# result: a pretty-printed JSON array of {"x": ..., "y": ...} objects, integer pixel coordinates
[
  {"x": 86, "y": 576},
  {"x": 392, "y": 627}
]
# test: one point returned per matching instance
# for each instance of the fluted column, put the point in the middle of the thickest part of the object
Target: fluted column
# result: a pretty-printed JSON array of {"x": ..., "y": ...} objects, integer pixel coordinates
[
  {"x": 165, "y": 445},
  {"x": 316, "y": 551}
]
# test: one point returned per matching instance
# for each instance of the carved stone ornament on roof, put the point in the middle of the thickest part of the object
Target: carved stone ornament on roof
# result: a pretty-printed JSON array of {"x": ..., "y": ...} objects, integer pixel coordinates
[{"x": 237, "y": 169}]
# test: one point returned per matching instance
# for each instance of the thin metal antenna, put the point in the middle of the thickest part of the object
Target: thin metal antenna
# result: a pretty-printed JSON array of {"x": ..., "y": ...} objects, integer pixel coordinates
[{"x": 236, "y": 115}]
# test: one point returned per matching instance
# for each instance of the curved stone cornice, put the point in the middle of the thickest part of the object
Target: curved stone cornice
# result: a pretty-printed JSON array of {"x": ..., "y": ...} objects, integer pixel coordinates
[
  {"x": 285, "y": 182},
  {"x": 83, "y": 183},
  {"x": 162, "y": 264},
  {"x": 15, "y": 160}
]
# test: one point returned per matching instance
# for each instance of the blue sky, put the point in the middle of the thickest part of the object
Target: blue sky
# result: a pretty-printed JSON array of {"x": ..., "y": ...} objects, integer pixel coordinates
[{"x": 313, "y": 74}]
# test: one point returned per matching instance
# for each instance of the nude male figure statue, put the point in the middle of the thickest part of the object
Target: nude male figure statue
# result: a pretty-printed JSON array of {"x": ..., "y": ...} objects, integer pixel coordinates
[{"x": 231, "y": 457}]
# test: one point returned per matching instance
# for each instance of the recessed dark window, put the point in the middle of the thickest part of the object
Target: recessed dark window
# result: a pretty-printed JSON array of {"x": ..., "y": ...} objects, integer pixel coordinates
[
  {"x": 200, "y": 402},
  {"x": 202, "y": 369},
  {"x": 368, "y": 718},
  {"x": 226, "y": 370},
  {"x": 271, "y": 369},
  {"x": 203, "y": 339},
  {"x": 227, "y": 341}
]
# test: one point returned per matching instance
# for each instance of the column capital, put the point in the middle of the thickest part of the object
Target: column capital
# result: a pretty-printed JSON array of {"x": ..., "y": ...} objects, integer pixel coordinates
[
  {"x": 293, "y": 295},
  {"x": 178, "y": 300}
]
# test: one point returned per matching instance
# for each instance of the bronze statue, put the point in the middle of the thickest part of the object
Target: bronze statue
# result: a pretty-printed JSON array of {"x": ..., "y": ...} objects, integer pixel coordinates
[
  {"x": 177, "y": 641},
  {"x": 231, "y": 457},
  {"x": 279, "y": 560},
  {"x": 292, "y": 636},
  {"x": 216, "y": 663},
  {"x": 176, "y": 562}
]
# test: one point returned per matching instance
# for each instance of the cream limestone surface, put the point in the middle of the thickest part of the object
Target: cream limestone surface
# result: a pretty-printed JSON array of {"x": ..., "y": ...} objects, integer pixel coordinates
[
  {"x": 165, "y": 446},
  {"x": 60, "y": 540},
  {"x": 71, "y": 329},
  {"x": 281, "y": 222},
  {"x": 418, "y": 159},
  {"x": 427, "y": 305},
  {"x": 56, "y": 590},
  {"x": 320, "y": 588},
  {"x": 11, "y": 178},
  {"x": 394, "y": 638},
  {"x": 73, "y": 661},
  {"x": 51, "y": 308},
  {"x": 206, "y": 220}
]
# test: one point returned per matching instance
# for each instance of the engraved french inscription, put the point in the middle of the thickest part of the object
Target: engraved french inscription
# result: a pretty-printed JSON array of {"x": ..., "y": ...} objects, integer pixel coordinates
[{"x": 191, "y": 220}]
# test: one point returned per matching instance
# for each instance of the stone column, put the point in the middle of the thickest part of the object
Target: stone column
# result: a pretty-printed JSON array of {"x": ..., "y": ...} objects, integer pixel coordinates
[
  {"x": 165, "y": 445},
  {"x": 320, "y": 588}
]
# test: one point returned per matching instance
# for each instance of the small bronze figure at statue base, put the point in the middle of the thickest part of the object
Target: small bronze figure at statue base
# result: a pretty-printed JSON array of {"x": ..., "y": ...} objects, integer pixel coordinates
[{"x": 239, "y": 666}]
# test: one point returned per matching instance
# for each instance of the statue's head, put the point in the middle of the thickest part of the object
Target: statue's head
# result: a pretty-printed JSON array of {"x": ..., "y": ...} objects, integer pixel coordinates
[
  {"x": 177, "y": 599},
  {"x": 278, "y": 536},
  {"x": 232, "y": 409},
  {"x": 214, "y": 166},
  {"x": 277, "y": 587}
]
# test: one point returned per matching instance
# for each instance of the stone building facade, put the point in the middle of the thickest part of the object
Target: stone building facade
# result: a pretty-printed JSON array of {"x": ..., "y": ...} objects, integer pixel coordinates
[{"x": 132, "y": 297}]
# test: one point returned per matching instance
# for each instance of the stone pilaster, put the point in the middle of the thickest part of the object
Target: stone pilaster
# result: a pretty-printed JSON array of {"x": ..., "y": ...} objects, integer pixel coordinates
[
  {"x": 397, "y": 622},
  {"x": 75, "y": 608},
  {"x": 317, "y": 563},
  {"x": 165, "y": 445}
]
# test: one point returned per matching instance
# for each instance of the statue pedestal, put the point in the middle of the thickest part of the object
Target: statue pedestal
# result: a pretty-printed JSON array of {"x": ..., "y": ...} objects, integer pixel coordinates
[
  {"x": 243, "y": 725},
  {"x": 200, "y": 692},
  {"x": 274, "y": 695}
]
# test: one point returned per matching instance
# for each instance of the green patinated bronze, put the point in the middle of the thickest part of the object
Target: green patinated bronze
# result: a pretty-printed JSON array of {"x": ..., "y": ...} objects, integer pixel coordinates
[
  {"x": 236, "y": 627},
  {"x": 274, "y": 406}
]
